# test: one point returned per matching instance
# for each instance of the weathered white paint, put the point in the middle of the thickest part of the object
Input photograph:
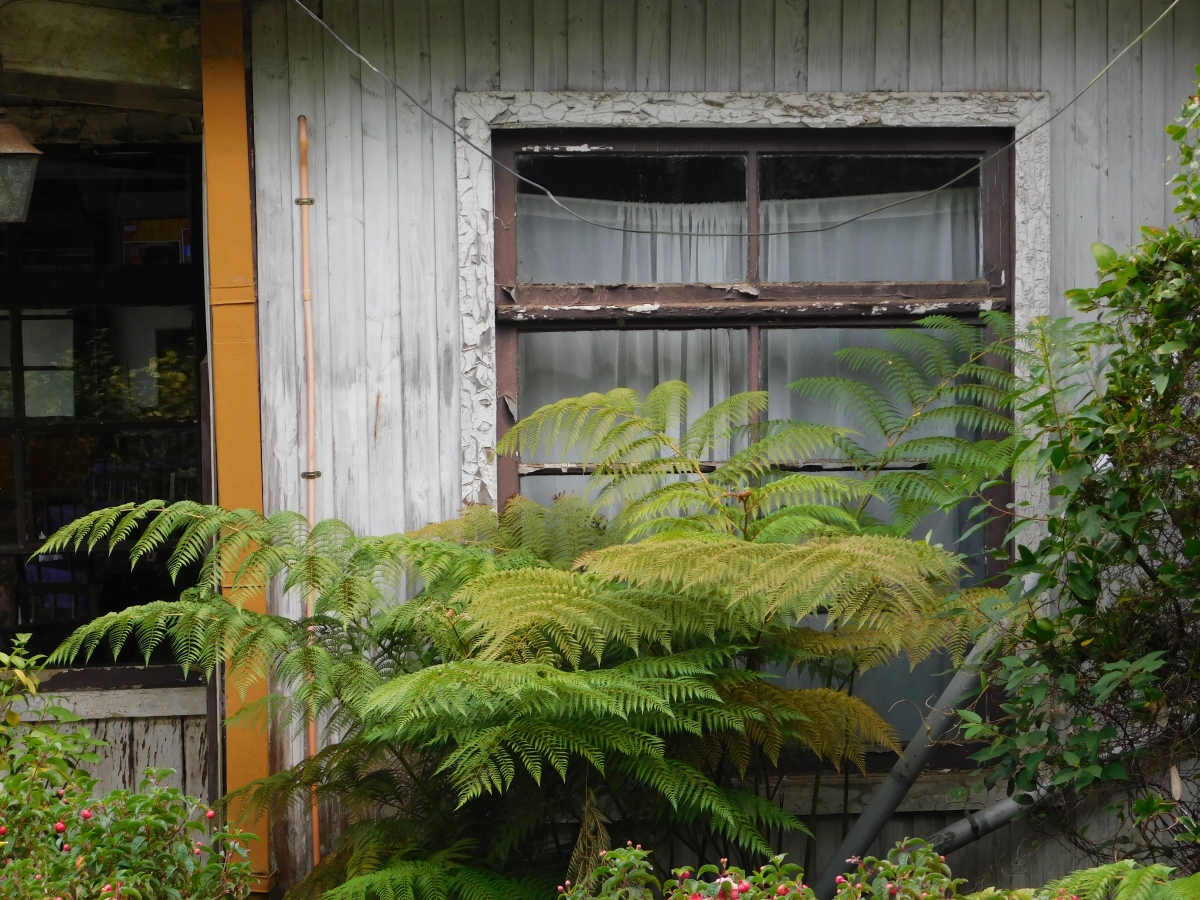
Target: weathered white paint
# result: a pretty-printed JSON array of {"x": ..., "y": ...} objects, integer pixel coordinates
[
  {"x": 130, "y": 703},
  {"x": 478, "y": 113},
  {"x": 133, "y": 745}
]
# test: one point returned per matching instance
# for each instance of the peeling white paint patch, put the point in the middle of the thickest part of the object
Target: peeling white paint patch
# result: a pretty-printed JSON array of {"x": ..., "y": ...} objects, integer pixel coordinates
[
  {"x": 645, "y": 307},
  {"x": 479, "y": 112}
]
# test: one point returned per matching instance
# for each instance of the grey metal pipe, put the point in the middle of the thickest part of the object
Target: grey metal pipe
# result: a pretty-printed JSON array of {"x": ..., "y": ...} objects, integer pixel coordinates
[
  {"x": 916, "y": 756},
  {"x": 973, "y": 826}
]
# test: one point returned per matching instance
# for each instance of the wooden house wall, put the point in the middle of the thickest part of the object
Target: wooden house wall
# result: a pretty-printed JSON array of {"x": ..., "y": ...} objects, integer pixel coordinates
[
  {"x": 384, "y": 237},
  {"x": 383, "y": 177}
]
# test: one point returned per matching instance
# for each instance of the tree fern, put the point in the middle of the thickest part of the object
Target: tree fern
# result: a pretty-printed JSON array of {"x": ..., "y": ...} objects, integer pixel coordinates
[{"x": 550, "y": 670}]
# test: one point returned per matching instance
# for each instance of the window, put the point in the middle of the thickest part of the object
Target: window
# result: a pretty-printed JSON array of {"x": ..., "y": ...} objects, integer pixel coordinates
[
  {"x": 715, "y": 302},
  {"x": 101, "y": 336}
]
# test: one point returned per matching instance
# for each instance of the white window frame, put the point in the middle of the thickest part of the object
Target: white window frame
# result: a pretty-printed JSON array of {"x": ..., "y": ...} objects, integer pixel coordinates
[{"x": 477, "y": 113}]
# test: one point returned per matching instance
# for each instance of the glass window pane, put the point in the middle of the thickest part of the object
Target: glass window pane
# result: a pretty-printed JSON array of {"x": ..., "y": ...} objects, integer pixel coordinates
[
  {"x": 928, "y": 238},
  {"x": 110, "y": 363},
  {"x": 790, "y": 354},
  {"x": 51, "y": 594},
  {"x": 108, "y": 209},
  {"x": 8, "y": 492},
  {"x": 692, "y": 196},
  {"x": 72, "y": 474},
  {"x": 559, "y": 364},
  {"x": 6, "y": 384}
]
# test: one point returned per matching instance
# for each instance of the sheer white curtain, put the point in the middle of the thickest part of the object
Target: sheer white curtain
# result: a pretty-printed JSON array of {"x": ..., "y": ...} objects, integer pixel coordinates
[
  {"x": 554, "y": 247},
  {"x": 934, "y": 238},
  {"x": 554, "y": 365}
]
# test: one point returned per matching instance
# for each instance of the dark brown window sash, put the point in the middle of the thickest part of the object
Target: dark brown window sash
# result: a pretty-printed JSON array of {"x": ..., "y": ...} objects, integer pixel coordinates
[{"x": 753, "y": 304}]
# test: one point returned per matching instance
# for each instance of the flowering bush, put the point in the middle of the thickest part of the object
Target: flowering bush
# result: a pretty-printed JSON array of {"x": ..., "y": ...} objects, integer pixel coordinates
[
  {"x": 60, "y": 842},
  {"x": 625, "y": 874},
  {"x": 912, "y": 870}
]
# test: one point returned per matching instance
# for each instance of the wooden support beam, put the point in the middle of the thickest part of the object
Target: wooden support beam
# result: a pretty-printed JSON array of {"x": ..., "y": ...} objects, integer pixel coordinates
[{"x": 233, "y": 308}]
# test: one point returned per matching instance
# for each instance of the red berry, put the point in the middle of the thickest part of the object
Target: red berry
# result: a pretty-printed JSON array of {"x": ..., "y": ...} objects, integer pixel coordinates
[
  {"x": 743, "y": 886},
  {"x": 781, "y": 890},
  {"x": 210, "y": 815},
  {"x": 87, "y": 814},
  {"x": 66, "y": 848},
  {"x": 197, "y": 851},
  {"x": 60, "y": 827},
  {"x": 3, "y": 830}
]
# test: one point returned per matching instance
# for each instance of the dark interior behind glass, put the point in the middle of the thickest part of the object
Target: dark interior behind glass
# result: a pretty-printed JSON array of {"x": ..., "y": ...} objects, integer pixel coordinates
[
  {"x": 101, "y": 341},
  {"x": 796, "y": 176},
  {"x": 640, "y": 178}
]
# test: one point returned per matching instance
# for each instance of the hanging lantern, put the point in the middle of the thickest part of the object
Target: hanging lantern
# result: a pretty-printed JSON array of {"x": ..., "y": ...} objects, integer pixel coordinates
[{"x": 18, "y": 163}]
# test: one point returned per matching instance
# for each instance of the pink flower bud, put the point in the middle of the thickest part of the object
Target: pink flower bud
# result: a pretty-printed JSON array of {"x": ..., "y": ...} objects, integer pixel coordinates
[
  {"x": 743, "y": 886},
  {"x": 839, "y": 880},
  {"x": 781, "y": 890}
]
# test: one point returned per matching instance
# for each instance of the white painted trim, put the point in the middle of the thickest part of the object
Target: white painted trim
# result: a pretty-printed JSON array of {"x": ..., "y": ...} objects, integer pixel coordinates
[
  {"x": 478, "y": 113},
  {"x": 123, "y": 703}
]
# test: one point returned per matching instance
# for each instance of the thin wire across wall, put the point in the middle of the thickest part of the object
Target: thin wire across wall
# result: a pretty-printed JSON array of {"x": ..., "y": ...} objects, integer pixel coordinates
[{"x": 737, "y": 234}]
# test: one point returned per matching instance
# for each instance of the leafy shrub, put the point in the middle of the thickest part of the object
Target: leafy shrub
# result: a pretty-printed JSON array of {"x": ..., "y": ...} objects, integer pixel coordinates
[
  {"x": 911, "y": 870},
  {"x": 625, "y": 874},
  {"x": 1102, "y": 679},
  {"x": 57, "y": 839}
]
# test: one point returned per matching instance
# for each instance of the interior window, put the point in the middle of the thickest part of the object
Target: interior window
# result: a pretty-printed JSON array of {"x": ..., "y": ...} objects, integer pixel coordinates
[
  {"x": 695, "y": 203},
  {"x": 924, "y": 236},
  {"x": 741, "y": 260},
  {"x": 101, "y": 337}
]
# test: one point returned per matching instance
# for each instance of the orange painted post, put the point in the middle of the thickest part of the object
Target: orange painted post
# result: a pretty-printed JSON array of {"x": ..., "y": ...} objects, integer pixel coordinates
[{"x": 235, "y": 401}]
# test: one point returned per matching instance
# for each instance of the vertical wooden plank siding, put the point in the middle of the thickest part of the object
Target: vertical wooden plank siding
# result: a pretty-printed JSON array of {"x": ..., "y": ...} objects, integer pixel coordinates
[
  {"x": 339, "y": 304},
  {"x": 991, "y": 44},
  {"x": 1123, "y": 122},
  {"x": 1024, "y": 44},
  {"x": 687, "y": 45},
  {"x": 1089, "y": 150},
  {"x": 858, "y": 45},
  {"x": 825, "y": 45},
  {"x": 791, "y": 45},
  {"x": 1058, "y": 78},
  {"x": 423, "y": 465},
  {"x": 585, "y": 45},
  {"x": 516, "y": 44},
  {"x": 891, "y": 45},
  {"x": 481, "y": 26},
  {"x": 653, "y": 53},
  {"x": 230, "y": 246},
  {"x": 446, "y": 74},
  {"x": 722, "y": 45},
  {"x": 1150, "y": 172},
  {"x": 620, "y": 45},
  {"x": 549, "y": 44},
  {"x": 925, "y": 45},
  {"x": 757, "y": 53},
  {"x": 958, "y": 45},
  {"x": 381, "y": 361}
]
